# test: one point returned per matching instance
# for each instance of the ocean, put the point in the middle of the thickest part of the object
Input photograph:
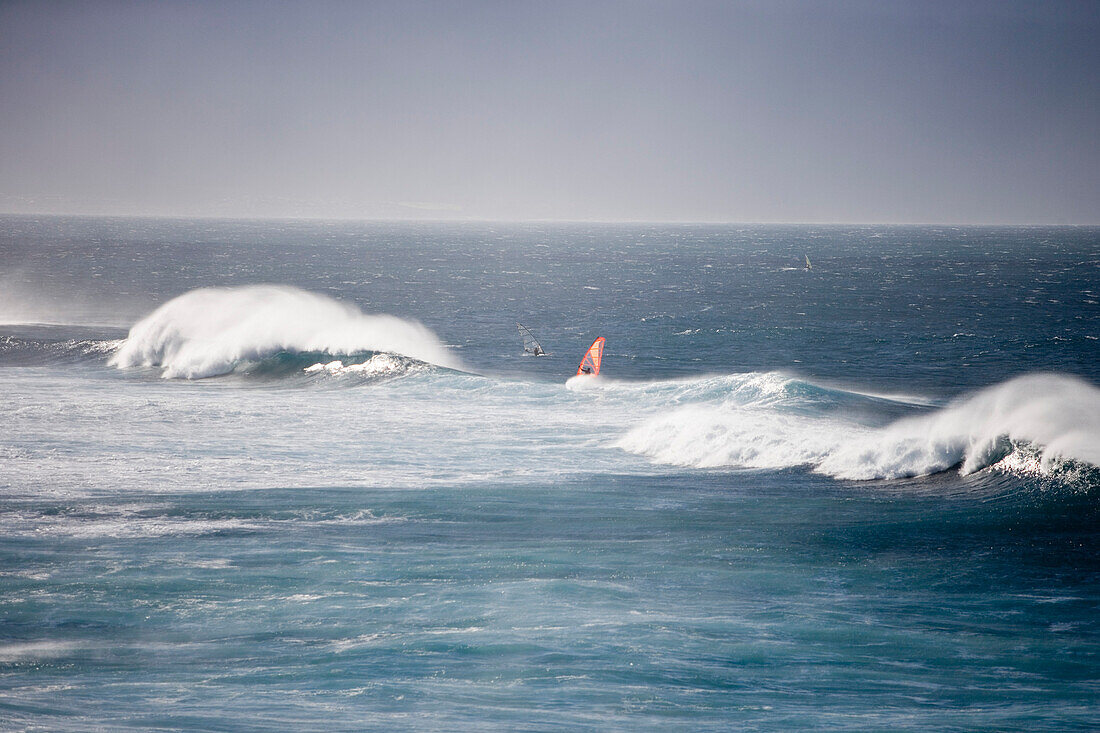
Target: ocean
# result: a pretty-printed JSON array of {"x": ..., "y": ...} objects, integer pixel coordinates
[{"x": 295, "y": 475}]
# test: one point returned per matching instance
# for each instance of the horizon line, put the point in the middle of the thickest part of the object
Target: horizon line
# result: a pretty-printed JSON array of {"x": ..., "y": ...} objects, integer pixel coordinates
[{"x": 489, "y": 220}]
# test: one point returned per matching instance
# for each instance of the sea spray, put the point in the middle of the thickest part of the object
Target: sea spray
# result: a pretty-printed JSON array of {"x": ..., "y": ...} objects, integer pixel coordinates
[{"x": 210, "y": 331}]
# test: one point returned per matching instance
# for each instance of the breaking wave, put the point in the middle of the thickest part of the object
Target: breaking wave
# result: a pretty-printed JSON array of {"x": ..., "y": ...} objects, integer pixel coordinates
[
  {"x": 212, "y": 331},
  {"x": 1035, "y": 423}
]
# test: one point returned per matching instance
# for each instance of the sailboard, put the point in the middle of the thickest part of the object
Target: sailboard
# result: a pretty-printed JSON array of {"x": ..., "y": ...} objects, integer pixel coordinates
[
  {"x": 808, "y": 265},
  {"x": 590, "y": 364},
  {"x": 531, "y": 344}
]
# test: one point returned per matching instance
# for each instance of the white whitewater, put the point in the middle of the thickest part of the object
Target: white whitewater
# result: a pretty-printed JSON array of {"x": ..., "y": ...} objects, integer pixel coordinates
[{"x": 1056, "y": 415}]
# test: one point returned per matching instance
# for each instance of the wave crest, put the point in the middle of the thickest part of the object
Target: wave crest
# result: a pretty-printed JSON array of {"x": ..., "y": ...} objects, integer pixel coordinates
[{"x": 209, "y": 331}]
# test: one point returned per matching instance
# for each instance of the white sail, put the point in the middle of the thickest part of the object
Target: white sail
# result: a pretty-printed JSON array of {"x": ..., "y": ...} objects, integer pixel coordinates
[{"x": 531, "y": 344}]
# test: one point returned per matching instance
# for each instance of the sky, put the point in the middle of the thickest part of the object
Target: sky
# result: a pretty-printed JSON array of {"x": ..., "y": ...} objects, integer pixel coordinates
[{"x": 624, "y": 110}]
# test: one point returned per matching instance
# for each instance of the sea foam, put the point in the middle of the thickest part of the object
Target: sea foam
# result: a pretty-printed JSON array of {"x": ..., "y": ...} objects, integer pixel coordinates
[{"x": 210, "y": 331}]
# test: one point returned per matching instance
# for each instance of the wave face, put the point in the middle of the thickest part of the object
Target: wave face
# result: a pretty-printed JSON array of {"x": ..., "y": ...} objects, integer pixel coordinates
[
  {"x": 211, "y": 331},
  {"x": 1033, "y": 423}
]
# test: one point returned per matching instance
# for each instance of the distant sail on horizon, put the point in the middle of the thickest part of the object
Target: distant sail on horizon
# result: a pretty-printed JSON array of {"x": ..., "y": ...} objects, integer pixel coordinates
[{"x": 590, "y": 364}]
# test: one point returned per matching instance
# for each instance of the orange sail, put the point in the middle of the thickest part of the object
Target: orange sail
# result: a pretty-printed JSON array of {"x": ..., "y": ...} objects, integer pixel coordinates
[{"x": 590, "y": 364}]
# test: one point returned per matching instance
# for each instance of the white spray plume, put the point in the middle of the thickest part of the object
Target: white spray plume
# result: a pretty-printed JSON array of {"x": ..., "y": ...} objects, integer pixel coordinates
[
  {"x": 209, "y": 331},
  {"x": 1057, "y": 414}
]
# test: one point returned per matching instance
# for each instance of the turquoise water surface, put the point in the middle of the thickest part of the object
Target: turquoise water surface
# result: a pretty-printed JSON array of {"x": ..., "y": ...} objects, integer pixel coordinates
[{"x": 300, "y": 475}]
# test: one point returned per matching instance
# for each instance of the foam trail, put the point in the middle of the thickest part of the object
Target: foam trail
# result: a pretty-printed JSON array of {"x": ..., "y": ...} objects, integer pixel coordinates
[
  {"x": 209, "y": 331},
  {"x": 1056, "y": 414}
]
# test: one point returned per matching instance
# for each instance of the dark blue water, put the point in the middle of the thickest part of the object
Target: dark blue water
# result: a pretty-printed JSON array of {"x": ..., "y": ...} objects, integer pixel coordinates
[{"x": 862, "y": 496}]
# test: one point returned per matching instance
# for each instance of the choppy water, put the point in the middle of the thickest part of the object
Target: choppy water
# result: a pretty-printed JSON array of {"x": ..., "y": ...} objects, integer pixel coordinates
[{"x": 331, "y": 493}]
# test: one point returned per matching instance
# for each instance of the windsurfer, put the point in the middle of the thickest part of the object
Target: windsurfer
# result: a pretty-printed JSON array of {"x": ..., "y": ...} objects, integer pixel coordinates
[{"x": 590, "y": 364}]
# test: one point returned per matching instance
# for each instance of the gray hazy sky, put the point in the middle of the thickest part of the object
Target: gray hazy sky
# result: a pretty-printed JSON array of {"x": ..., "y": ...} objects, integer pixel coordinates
[{"x": 872, "y": 111}]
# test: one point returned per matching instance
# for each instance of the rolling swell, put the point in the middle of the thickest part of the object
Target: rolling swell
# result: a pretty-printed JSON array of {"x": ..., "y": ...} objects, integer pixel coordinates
[
  {"x": 46, "y": 345},
  {"x": 1039, "y": 424},
  {"x": 213, "y": 331}
]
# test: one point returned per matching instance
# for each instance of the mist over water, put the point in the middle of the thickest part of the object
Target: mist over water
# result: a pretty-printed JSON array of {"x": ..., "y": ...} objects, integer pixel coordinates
[{"x": 315, "y": 477}]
